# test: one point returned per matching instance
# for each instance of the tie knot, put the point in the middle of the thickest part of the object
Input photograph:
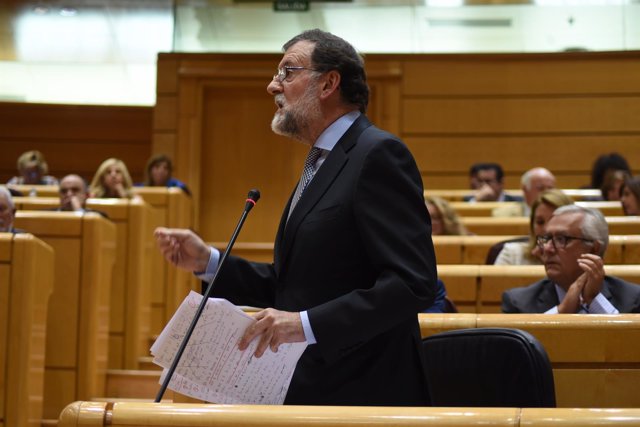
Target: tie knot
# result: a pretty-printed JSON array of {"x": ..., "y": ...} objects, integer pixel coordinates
[{"x": 313, "y": 156}]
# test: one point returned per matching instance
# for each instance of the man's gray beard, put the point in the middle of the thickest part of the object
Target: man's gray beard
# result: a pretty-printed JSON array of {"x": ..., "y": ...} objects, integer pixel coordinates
[{"x": 285, "y": 125}]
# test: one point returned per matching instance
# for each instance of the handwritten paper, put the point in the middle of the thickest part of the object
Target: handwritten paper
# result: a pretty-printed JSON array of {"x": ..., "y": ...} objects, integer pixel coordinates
[{"x": 212, "y": 368}]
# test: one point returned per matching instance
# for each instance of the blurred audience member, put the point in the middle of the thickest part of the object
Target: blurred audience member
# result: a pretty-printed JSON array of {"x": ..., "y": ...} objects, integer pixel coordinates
[
  {"x": 612, "y": 184},
  {"x": 112, "y": 180},
  {"x": 527, "y": 253},
  {"x": 7, "y": 212},
  {"x": 33, "y": 170},
  {"x": 630, "y": 196},
  {"x": 159, "y": 173},
  {"x": 533, "y": 182},
  {"x": 444, "y": 219},
  {"x": 573, "y": 249},
  {"x": 486, "y": 179},
  {"x": 605, "y": 163},
  {"x": 74, "y": 193}
]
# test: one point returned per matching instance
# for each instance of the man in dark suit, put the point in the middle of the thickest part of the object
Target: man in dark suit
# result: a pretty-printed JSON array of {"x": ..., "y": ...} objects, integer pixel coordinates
[
  {"x": 74, "y": 193},
  {"x": 353, "y": 260},
  {"x": 487, "y": 181},
  {"x": 572, "y": 248}
]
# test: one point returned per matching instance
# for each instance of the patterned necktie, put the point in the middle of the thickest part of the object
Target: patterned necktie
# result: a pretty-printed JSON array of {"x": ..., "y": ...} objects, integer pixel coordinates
[{"x": 307, "y": 174}]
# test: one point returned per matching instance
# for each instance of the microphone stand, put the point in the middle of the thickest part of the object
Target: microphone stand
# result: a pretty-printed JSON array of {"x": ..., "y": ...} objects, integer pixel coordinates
[{"x": 253, "y": 197}]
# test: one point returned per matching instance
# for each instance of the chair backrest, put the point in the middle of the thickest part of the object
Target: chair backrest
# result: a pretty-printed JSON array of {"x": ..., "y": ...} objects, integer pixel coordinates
[{"x": 488, "y": 367}]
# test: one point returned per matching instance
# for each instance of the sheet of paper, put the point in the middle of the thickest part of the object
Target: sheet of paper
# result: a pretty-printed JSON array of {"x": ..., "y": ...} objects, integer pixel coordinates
[{"x": 212, "y": 368}]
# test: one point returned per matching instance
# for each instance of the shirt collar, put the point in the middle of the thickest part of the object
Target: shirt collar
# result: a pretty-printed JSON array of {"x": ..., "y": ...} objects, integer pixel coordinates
[{"x": 332, "y": 134}]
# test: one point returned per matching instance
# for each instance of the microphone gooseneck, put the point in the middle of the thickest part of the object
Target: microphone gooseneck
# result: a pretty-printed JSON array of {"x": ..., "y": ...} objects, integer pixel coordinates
[{"x": 251, "y": 201}]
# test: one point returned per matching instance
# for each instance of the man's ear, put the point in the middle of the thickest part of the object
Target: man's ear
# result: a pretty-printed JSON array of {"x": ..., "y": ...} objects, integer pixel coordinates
[
  {"x": 596, "y": 248},
  {"x": 330, "y": 83}
]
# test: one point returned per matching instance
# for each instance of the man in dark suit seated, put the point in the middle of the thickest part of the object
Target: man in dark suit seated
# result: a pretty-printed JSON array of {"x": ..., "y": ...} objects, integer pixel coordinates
[
  {"x": 573, "y": 249},
  {"x": 353, "y": 261},
  {"x": 74, "y": 193},
  {"x": 487, "y": 181}
]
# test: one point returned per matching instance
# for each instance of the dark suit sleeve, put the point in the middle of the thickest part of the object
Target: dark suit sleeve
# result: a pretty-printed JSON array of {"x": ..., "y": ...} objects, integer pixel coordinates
[
  {"x": 508, "y": 305},
  {"x": 393, "y": 225}
]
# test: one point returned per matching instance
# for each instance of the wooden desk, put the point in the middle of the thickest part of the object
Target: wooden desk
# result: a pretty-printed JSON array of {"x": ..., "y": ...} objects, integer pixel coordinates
[
  {"x": 595, "y": 359},
  {"x": 479, "y": 288},
  {"x": 78, "y": 315},
  {"x": 502, "y": 209},
  {"x": 173, "y": 208},
  {"x": 520, "y": 225},
  {"x": 459, "y": 195},
  {"x": 26, "y": 282},
  {"x": 130, "y": 321}
]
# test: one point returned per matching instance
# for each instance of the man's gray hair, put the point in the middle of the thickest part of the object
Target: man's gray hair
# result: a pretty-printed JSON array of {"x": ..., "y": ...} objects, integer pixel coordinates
[
  {"x": 525, "y": 180},
  {"x": 7, "y": 195},
  {"x": 594, "y": 225}
]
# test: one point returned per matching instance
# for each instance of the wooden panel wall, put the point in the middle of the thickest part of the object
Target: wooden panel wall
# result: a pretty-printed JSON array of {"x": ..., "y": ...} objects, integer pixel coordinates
[
  {"x": 74, "y": 138},
  {"x": 556, "y": 110}
]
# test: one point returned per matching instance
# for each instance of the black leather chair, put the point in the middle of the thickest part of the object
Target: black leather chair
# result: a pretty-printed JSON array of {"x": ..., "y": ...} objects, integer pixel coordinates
[{"x": 488, "y": 367}]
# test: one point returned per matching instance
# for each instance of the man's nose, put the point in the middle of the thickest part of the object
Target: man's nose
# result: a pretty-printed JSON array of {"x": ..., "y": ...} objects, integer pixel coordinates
[{"x": 274, "y": 87}]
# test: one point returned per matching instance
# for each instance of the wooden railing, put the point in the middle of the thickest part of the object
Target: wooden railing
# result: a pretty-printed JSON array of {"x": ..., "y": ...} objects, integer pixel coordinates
[{"x": 131, "y": 414}]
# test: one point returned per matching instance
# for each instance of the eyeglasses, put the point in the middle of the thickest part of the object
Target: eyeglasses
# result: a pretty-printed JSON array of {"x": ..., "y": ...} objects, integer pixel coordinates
[
  {"x": 284, "y": 72},
  {"x": 558, "y": 241}
]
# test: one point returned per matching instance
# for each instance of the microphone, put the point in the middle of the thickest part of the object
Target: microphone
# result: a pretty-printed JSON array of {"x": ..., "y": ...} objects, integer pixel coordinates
[{"x": 252, "y": 199}]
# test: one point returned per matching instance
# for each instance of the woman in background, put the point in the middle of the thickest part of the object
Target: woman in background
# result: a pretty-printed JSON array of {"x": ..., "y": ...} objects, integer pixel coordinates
[
  {"x": 112, "y": 180},
  {"x": 159, "y": 173},
  {"x": 444, "y": 219},
  {"x": 526, "y": 253},
  {"x": 630, "y": 196},
  {"x": 33, "y": 170}
]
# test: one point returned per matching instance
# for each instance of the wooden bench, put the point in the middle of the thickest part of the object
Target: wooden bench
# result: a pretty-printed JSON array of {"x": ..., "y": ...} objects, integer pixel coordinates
[
  {"x": 595, "y": 358},
  {"x": 479, "y": 288},
  {"x": 613, "y": 208},
  {"x": 37, "y": 190},
  {"x": 137, "y": 414},
  {"x": 623, "y": 249},
  {"x": 170, "y": 207},
  {"x": 455, "y": 195},
  {"x": 79, "y": 307},
  {"x": 26, "y": 282},
  {"x": 520, "y": 225}
]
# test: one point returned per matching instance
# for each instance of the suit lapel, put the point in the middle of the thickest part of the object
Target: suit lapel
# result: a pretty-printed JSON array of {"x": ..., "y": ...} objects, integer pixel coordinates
[
  {"x": 548, "y": 297},
  {"x": 319, "y": 185}
]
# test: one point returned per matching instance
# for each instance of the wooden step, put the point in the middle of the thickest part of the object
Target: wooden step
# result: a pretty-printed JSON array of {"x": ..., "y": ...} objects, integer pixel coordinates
[{"x": 129, "y": 383}]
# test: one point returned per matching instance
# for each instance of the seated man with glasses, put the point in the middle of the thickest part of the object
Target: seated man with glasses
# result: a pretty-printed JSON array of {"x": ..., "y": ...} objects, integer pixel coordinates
[{"x": 572, "y": 251}]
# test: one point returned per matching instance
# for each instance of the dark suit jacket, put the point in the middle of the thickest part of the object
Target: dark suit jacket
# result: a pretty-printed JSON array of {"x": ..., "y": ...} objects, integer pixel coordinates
[
  {"x": 541, "y": 296},
  {"x": 357, "y": 254}
]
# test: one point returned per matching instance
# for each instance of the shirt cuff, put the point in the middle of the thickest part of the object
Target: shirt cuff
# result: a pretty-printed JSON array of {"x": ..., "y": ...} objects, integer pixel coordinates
[
  {"x": 552, "y": 310},
  {"x": 601, "y": 305},
  {"x": 306, "y": 326},
  {"x": 212, "y": 266}
]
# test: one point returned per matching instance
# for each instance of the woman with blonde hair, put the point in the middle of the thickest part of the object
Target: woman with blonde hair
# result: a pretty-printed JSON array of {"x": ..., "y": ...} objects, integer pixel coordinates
[
  {"x": 33, "y": 170},
  {"x": 111, "y": 180},
  {"x": 444, "y": 219},
  {"x": 527, "y": 253}
]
